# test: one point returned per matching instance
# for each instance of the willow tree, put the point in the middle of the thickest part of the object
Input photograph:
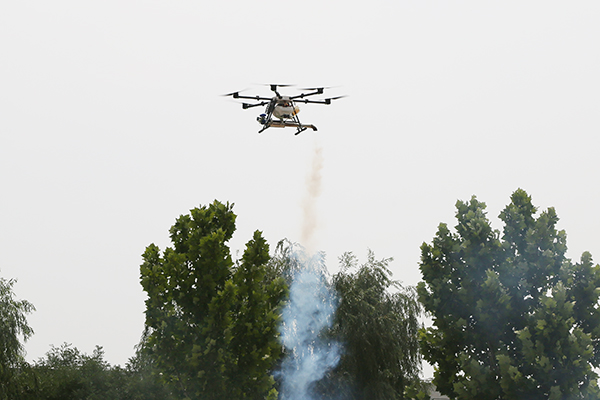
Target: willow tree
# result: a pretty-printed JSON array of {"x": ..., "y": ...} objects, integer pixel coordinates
[
  {"x": 211, "y": 326},
  {"x": 513, "y": 318},
  {"x": 377, "y": 320},
  {"x": 13, "y": 327}
]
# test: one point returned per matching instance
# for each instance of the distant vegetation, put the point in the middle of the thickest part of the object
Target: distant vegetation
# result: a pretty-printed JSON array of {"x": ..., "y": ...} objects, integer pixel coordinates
[{"x": 512, "y": 319}]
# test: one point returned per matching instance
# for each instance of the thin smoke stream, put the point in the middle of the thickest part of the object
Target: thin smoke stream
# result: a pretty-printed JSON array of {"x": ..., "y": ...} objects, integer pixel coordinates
[{"x": 309, "y": 203}]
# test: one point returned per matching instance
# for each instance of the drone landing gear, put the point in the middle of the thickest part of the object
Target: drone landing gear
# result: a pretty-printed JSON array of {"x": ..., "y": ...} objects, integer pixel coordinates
[
  {"x": 300, "y": 130},
  {"x": 265, "y": 127},
  {"x": 282, "y": 124}
]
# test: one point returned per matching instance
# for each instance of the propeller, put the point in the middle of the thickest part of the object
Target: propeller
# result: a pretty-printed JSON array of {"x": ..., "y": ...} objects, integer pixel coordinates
[
  {"x": 274, "y": 86},
  {"x": 234, "y": 94},
  {"x": 328, "y": 101},
  {"x": 320, "y": 88}
]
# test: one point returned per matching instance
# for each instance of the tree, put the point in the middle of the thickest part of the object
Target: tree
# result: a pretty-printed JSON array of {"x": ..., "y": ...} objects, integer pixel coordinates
[
  {"x": 143, "y": 381},
  {"x": 377, "y": 321},
  {"x": 257, "y": 313},
  {"x": 66, "y": 373},
  {"x": 211, "y": 327},
  {"x": 13, "y": 325},
  {"x": 513, "y": 318}
]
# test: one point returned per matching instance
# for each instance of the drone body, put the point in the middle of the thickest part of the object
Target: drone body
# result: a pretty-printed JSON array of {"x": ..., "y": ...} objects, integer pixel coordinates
[{"x": 282, "y": 111}]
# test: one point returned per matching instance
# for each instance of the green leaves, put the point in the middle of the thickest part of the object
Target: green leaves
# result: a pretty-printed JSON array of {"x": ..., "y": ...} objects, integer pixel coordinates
[
  {"x": 211, "y": 324},
  {"x": 377, "y": 321},
  {"x": 13, "y": 325},
  {"x": 513, "y": 318}
]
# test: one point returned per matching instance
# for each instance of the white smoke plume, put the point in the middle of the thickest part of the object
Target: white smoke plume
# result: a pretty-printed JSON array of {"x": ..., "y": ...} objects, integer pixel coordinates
[
  {"x": 310, "y": 310},
  {"x": 309, "y": 203}
]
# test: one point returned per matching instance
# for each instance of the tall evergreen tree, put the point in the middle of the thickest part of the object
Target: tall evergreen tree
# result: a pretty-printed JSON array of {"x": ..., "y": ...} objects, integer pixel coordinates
[{"x": 513, "y": 318}]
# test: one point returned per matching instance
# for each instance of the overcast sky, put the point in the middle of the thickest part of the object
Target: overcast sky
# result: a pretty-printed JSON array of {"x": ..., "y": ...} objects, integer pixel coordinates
[{"x": 111, "y": 126}]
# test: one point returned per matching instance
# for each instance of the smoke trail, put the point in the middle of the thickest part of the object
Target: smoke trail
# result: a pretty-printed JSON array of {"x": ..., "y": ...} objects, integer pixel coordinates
[
  {"x": 309, "y": 312},
  {"x": 309, "y": 206}
]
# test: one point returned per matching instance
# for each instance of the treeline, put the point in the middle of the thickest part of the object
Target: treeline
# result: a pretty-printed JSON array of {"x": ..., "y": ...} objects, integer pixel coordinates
[
  {"x": 513, "y": 318},
  {"x": 212, "y": 323},
  {"x": 212, "y": 327},
  {"x": 66, "y": 373}
]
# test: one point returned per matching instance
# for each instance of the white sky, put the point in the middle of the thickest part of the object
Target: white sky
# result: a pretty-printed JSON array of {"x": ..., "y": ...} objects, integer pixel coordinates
[{"x": 111, "y": 126}]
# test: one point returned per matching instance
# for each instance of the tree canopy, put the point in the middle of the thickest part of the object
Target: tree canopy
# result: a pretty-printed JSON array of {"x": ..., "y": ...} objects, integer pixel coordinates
[
  {"x": 211, "y": 325},
  {"x": 13, "y": 327},
  {"x": 377, "y": 321},
  {"x": 513, "y": 318}
]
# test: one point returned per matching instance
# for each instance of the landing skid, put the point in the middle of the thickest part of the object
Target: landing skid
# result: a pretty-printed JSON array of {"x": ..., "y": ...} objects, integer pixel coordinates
[
  {"x": 282, "y": 124},
  {"x": 300, "y": 130}
]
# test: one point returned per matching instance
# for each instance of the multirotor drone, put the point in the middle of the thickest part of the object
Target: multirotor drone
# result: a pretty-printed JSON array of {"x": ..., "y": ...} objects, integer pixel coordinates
[{"x": 282, "y": 111}]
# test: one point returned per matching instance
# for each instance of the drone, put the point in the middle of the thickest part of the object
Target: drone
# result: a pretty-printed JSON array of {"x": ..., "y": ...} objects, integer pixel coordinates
[{"x": 282, "y": 111}]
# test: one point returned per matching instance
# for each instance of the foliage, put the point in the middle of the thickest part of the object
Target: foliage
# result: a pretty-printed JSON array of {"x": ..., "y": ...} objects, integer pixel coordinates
[
  {"x": 377, "y": 320},
  {"x": 513, "y": 318},
  {"x": 256, "y": 312},
  {"x": 13, "y": 325},
  {"x": 143, "y": 381},
  {"x": 65, "y": 373},
  {"x": 211, "y": 326},
  {"x": 289, "y": 259}
]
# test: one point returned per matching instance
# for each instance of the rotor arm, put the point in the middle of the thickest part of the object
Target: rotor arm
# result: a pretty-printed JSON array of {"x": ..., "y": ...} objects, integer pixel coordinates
[
  {"x": 236, "y": 95},
  {"x": 303, "y": 95},
  {"x": 324, "y": 101},
  {"x": 246, "y": 105},
  {"x": 257, "y": 98}
]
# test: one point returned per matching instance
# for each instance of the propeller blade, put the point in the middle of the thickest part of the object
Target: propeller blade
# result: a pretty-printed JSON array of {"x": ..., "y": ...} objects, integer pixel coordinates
[
  {"x": 320, "y": 88},
  {"x": 274, "y": 86},
  {"x": 234, "y": 94},
  {"x": 328, "y": 101}
]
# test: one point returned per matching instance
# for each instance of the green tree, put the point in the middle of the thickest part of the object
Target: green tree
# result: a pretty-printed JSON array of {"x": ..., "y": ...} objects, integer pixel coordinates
[
  {"x": 257, "y": 313},
  {"x": 211, "y": 327},
  {"x": 143, "y": 379},
  {"x": 13, "y": 326},
  {"x": 513, "y": 318},
  {"x": 66, "y": 373},
  {"x": 377, "y": 322}
]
